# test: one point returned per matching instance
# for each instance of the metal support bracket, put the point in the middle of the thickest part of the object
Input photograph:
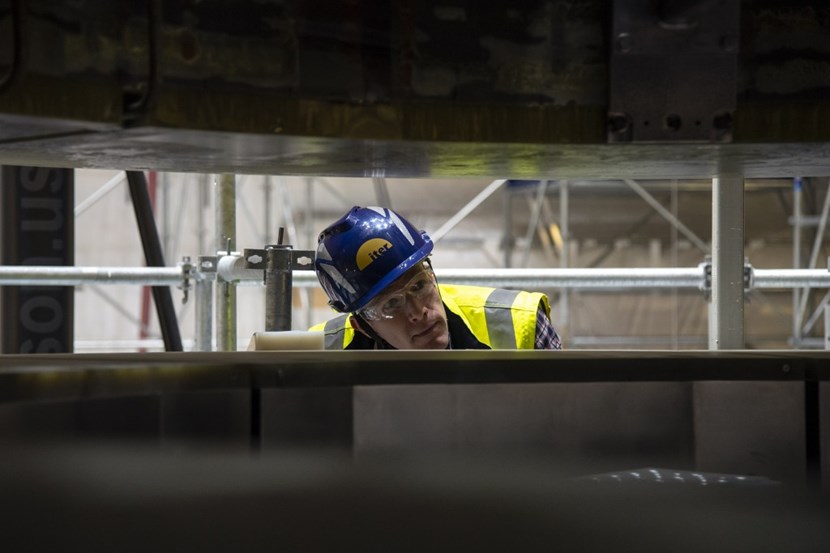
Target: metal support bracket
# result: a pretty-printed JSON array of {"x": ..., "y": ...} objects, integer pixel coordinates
[
  {"x": 207, "y": 266},
  {"x": 673, "y": 71},
  {"x": 277, "y": 262},
  {"x": 706, "y": 285},
  {"x": 301, "y": 260},
  {"x": 187, "y": 274}
]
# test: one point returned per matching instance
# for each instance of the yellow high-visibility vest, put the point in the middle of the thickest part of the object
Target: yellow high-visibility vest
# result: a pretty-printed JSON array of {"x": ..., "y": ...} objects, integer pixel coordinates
[{"x": 499, "y": 319}]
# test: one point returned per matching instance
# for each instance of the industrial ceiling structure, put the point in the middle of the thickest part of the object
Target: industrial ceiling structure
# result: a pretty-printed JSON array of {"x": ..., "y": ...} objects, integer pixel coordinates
[{"x": 531, "y": 89}]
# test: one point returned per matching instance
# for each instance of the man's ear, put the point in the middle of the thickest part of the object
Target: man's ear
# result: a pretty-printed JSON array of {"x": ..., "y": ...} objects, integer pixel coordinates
[{"x": 357, "y": 324}]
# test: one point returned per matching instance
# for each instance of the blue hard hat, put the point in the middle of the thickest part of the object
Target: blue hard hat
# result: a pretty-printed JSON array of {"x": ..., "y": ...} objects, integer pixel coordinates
[{"x": 363, "y": 252}]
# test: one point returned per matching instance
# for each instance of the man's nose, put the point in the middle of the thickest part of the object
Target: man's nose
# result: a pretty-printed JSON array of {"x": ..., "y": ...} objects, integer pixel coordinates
[{"x": 415, "y": 308}]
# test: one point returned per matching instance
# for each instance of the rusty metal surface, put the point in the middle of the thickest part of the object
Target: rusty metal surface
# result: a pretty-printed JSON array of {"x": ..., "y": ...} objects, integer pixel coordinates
[{"x": 511, "y": 89}]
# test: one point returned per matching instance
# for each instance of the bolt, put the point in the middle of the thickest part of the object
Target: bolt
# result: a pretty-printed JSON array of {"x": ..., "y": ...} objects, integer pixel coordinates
[
  {"x": 674, "y": 122},
  {"x": 785, "y": 368},
  {"x": 729, "y": 43},
  {"x": 722, "y": 121},
  {"x": 618, "y": 122},
  {"x": 624, "y": 43}
]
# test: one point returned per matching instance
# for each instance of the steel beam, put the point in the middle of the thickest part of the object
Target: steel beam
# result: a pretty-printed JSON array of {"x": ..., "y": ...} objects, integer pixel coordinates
[{"x": 726, "y": 315}]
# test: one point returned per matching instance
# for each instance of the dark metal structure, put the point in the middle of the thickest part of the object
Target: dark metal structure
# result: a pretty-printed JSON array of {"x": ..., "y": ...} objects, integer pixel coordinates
[
  {"x": 606, "y": 411},
  {"x": 529, "y": 89}
]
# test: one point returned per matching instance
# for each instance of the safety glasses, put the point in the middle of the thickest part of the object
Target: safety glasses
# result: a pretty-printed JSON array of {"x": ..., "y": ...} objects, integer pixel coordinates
[{"x": 391, "y": 304}]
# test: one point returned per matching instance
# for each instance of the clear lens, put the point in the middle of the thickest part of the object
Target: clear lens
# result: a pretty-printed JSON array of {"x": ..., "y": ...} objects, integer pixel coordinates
[{"x": 390, "y": 305}]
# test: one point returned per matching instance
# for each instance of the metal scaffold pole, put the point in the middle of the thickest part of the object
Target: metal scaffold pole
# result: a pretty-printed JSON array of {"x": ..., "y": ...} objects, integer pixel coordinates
[
  {"x": 225, "y": 244},
  {"x": 203, "y": 292},
  {"x": 565, "y": 259},
  {"x": 579, "y": 279},
  {"x": 75, "y": 276},
  {"x": 797, "y": 192},
  {"x": 726, "y": 316}
]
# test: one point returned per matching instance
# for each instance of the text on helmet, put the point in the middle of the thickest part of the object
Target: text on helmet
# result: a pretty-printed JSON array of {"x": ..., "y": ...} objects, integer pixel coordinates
[{"x": 371, "y": 250}]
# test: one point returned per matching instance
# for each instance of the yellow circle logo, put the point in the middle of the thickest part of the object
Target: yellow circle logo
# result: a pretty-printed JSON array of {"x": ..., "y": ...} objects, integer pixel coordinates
[{"x": 371, "y": 250}]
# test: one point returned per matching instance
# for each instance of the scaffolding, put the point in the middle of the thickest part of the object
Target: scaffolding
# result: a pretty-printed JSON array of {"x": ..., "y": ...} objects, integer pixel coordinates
[
  {"x": 233, "y": 269},
  {"x": 213, "y": 278}
]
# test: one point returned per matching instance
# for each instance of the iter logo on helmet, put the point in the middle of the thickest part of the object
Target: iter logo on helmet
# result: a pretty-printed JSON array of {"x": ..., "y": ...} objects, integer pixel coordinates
[
  {"x": 363, "y": 252},
  {"x": 370, "y": 251}
]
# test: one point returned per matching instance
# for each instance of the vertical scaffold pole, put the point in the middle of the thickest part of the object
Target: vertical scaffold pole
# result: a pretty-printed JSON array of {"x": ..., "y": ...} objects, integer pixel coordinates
[
  {"x": 278, "y": 288},
  {"x": 203, "y": 292},
  {"x": 565, "y": 259},
  {"x": 726, "y": 317},
  {"x": 797, "y": 184},
  {"x": 225, "y": 242}
]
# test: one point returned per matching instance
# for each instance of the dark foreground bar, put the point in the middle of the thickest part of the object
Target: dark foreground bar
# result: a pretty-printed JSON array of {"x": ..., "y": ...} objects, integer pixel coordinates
[
  {"x": 759, "y": 413},
  {"x": 411, "y": 451}
]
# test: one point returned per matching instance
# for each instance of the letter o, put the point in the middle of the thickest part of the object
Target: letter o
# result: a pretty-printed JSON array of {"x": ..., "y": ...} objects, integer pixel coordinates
[{"x": 28, "y": 320}]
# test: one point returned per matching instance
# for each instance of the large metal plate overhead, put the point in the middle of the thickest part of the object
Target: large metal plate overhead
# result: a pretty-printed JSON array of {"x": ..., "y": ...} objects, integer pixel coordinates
[
  {"x": 511, "y": 89},
  {"x": 674, "y": 71}
]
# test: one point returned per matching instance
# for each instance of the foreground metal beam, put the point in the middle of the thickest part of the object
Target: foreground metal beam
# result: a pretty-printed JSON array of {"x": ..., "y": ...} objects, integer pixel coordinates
[{"x": 107, "y": 375}]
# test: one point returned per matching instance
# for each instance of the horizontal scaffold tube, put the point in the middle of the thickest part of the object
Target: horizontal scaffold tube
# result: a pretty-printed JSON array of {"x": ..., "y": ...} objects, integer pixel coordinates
[
  {"x": 576, "y": 278},
  {"x": 74, "y": 276},
  {"x": 791, "y": 278},
  {"x": 583, "y": 279},
  {"x": 562, "y": 278},
  {"x": 598, "y": 279}
]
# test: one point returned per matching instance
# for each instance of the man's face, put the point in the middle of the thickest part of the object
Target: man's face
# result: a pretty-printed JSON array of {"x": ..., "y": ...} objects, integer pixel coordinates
[{"x": 418, "y": 318}]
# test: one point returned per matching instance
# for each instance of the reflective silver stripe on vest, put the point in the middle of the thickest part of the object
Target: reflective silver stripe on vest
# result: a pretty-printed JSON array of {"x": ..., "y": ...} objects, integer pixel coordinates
[
  {"x": 499, "y": 318},
  {"x": 335, "y": 332}
]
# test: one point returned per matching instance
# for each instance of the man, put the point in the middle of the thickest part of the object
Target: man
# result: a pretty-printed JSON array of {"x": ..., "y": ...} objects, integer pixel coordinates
[{"x": 373, "y": 265}]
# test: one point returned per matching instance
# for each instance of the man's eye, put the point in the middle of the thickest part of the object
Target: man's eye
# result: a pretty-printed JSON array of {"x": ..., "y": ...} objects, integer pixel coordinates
[
  {"x": 418, "y": 286},
  {"x": 393, "y": 303}
]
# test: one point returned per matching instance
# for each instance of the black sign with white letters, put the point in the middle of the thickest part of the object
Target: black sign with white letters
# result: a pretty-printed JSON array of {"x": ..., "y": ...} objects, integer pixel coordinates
[{"x": 37, "y": 229}]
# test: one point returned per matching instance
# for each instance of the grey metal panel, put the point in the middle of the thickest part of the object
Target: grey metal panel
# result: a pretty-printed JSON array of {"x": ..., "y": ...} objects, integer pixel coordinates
[
  {"x": 593, "y": 407},
  {"x": 215, "y": 418},
  {"x": 123, "y": 420},
  {"x": 603, "y": 425},
  {"x": 306, "y": 417},
  {"x": 753, "y": 428},
  {"x": 207, "y": 418}
]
